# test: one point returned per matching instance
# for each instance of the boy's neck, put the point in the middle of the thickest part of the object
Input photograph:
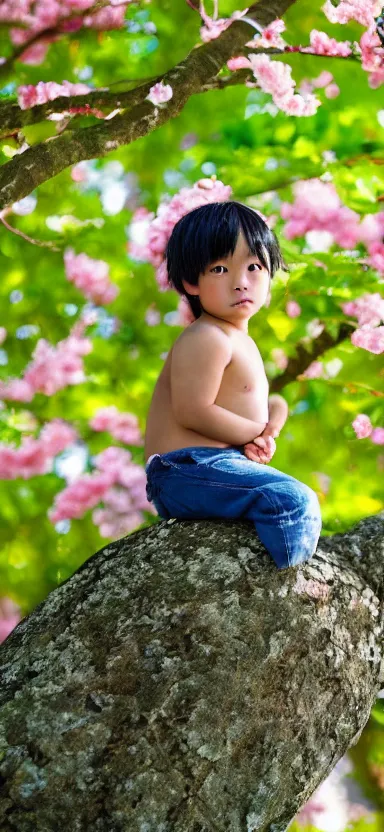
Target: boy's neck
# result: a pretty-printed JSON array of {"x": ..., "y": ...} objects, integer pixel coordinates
[{"x": 242, "y": 327}]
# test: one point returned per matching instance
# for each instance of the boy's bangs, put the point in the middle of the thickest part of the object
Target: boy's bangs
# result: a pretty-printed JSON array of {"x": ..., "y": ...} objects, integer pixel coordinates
[{"x": 213, "y": 241}]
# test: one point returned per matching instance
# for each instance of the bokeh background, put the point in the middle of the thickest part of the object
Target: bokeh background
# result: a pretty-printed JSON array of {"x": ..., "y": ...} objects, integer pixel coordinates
[{"x": 327, "y": 168}]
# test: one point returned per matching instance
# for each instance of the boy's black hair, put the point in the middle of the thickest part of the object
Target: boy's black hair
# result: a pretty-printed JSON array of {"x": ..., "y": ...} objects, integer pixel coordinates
[{"x": 210, "y": 232}]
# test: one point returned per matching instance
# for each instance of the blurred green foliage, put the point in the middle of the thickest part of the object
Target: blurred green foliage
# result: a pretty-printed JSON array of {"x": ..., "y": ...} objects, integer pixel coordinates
[{"x": 261, "y": 154}]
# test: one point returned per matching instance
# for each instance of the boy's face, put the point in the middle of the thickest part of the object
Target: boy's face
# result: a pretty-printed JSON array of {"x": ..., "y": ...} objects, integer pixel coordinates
[{"x": 229, "y": 279}]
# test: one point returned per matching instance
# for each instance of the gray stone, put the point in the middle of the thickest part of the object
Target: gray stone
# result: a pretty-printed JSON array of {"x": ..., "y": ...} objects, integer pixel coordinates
[{"x": 180, "y": 682}]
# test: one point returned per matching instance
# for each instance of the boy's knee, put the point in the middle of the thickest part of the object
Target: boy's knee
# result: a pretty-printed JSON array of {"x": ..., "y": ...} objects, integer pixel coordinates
[
  {"x": 311, "y": 500},
  {"x": 299, "y": 500}
]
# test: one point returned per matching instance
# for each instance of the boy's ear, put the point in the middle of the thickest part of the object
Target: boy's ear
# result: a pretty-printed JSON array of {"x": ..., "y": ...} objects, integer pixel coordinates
[
  {"x": 190, "y": 288},
  {"x": 268, "y": 298}
]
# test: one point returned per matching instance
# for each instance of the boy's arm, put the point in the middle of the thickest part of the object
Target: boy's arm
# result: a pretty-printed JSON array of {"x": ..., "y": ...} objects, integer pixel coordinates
[
  {"x": 223, "y": 425},
  {"x": 278, "y": 412},
  {"x": 198, "y": 363}
]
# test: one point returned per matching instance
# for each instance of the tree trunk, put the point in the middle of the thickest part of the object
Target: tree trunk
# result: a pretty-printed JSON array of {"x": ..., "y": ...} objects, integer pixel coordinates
[{"x": 180, "y": 682}]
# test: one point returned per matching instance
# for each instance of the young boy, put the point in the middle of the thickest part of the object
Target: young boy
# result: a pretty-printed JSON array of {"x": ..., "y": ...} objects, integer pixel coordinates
[{"x": 211, "y": 426}]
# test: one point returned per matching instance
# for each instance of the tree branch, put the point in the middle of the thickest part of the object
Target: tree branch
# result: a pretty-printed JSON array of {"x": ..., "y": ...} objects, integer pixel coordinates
[
  {"x": 13, "y": 118},
  {"x": 43, "y": 161},
  {"x": 297, "y": 365}
]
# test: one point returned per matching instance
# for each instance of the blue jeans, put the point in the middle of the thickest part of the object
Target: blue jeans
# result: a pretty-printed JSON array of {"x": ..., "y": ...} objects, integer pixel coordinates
[{"x": 204, "y": 483}]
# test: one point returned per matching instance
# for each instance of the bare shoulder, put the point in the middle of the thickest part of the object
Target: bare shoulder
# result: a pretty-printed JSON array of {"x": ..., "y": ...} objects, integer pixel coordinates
[
  {"x": 204, "y": 329},
  {"x": 201, "y": 335}
]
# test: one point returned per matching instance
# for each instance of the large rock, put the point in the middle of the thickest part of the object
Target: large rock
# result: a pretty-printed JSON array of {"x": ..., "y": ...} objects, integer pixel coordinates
[{"x": 179, "y": 682}]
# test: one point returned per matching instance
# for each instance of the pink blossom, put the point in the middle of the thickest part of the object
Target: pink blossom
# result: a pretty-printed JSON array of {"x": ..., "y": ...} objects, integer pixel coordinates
[
  {"x": 362, "y": 426},
  {"x": 368, "y": 309},
  {"x": 37, "y": 17},
  {"x": 280, "y": 358},
  {"x": 90, "y": 276},
  {"x": 332, "y": 91},
  {"x": 10, "y": 616},
  {"x": 122, "y": 426},
  {"x": 361, "y": 10},
  {"x": 293, "y": 309},
  {"x": 372, "y": 56},
  {"x": 213, "y": 27},
  {"x": 55, "y": 367},
  {"x": 310, "y": 812},
  {"x": 16, "y": 389},
  {"x": 123, "y": 506},
  {"x": 107, "y": 18},
  {"x": 270, "y": 36},
  {"x": 79, "y": 172},
  {"x": 81, "y": 495},
  {"x": 239, "y": 63},
  {"x": 317, "y": 205},
  {"x": 376, "y": 256},
  {"x": 369, "y": 339},
  {"x": 30, "y": 96},
  {"x": 274, "y": 77},
  {"x": 315, "y": 370},
  {"x": 377, "y": 436},
  {"x": 57, "y": 435},
  {"x": 35, "y": 53},
  {"x": 322, "y": 44},
  {"x": 113, "y": 459},
  {"x": 160, "y": 93},
  {"x": 372, "y": 228},
  {"x": 117, "y": 482},
  {"x": 52, "y": 368},
  {"x": 323, "y": 79},
  {"x": 35, "y": 456}
]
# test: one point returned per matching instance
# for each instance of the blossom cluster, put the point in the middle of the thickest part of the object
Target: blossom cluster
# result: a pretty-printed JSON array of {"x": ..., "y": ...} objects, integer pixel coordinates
[
  {"x": 30, "y": 95},
  {"x": 363, "y": 11},
  {"x": 214, "y": 26},
  {"x": 122, "y": 426},
  {"x": 274, "y": 77},
  {"x": 90, "y": 276},
  {"x": 117, "y": 482},
  {"x": 317, "y": 206},
  {"x": 61, "y": 16},
  {"x": 363, "y": 428},
  {"x": 52, "y": 368},
  {"x": 35, "y": 456}
]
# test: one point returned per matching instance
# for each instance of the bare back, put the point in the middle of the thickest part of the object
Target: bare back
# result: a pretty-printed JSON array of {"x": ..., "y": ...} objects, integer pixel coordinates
[{"x": 243, "y": 390}]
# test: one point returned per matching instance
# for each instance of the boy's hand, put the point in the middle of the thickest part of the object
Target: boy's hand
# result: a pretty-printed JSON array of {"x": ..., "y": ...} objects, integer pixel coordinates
[
  {"x": 263, "y": 447},
  {"x": 260, "y": 450}
]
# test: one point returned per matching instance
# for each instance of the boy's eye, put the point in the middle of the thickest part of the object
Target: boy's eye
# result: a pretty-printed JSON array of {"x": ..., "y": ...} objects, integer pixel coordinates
[{"x": 251, "y": 264}]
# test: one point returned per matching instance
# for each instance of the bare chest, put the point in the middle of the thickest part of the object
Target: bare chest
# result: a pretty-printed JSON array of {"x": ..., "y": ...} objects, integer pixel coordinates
[{"x": 245, "y": 373}]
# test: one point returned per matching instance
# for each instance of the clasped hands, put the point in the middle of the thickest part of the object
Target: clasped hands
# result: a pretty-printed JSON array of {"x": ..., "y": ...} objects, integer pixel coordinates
[{"x": 262, "y": 448}]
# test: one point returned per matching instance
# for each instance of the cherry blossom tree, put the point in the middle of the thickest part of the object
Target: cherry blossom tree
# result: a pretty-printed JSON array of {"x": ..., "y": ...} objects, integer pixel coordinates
[{"x": 323, "y": 196}]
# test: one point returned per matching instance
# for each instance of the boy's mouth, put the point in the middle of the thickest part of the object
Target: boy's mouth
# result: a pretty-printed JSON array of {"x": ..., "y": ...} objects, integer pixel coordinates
[{"x": 240, "y": 302}]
